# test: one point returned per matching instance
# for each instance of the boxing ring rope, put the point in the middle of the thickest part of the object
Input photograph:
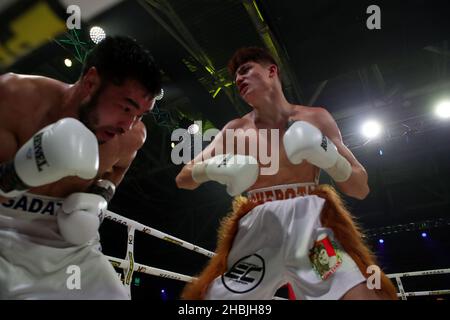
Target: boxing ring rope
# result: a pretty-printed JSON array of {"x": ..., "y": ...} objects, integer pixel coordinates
[
  {"x": 404, "y": 294},
  {"x": 156, "y": 233},
  {"x": 124, "y": 264},
  {"x": 130, "y": 266}
]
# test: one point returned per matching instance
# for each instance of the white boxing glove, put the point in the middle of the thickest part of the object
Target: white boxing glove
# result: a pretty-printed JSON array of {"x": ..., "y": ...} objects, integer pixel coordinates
[
  {"x": 237, "y": 172},
  {"x": 79, "y": 217},
  {"x": 303, "y": 141},
  {"x": 65, "y": 148}
]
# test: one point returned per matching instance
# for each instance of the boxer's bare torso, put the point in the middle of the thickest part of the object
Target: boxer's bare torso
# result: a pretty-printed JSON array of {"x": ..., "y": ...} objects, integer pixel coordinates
[
  {"x": 259, "y": 85},
  {"x": 287, "y": 172},
  {"x": 29, "y": 103}
]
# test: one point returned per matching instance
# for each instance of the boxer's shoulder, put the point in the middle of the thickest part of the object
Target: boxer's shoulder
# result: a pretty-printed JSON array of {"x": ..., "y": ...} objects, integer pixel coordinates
[
  {"x": 20, "y": 93},
  {"x": 25, "y": 101},
  {"x": 239, "y": 123},
  {"x": 245, "y": 122},
  {"x": 317, "y": 116},
  {"x": 15, "y": 100},
  {"x": 14, "y": 83},
  {"x": 306, "y": 111},
  {"x": 13, "y": 89}
]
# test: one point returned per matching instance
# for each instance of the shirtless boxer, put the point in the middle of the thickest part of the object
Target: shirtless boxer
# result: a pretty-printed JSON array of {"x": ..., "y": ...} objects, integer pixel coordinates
[
  {"x": 64, "y": 150},
  {"x": 308, "y": 239}
]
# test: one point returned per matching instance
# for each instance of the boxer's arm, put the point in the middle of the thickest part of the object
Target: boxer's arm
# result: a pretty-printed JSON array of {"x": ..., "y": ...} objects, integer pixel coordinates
[
  {"x": 130, "y": 144},
  {"x": 7, "y": 151},
  {"x": 81, "y": 213},
  {"x": 119, "y": 170},
  {"x": 356, "y": 186},
  {"x": 9, "y": 144},
  {"x": 84, "y": 211},
  {"x": 184, "y": 179}
]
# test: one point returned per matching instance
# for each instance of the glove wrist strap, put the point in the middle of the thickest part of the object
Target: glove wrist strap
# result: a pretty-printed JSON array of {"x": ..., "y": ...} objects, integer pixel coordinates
[
  {"x": 10, "y": 183},
  {"x": 104, "y": 188}
]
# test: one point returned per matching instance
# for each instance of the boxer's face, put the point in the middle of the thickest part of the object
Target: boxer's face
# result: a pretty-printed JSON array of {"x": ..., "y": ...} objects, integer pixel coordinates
[
  {"x": 114, "y": 109},
  {"x": 254, "y": 79}
]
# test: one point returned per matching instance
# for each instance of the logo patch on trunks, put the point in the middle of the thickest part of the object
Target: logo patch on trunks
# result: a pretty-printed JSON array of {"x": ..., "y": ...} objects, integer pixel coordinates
[
  {"x": 325, "y": 257},
  {"x": 245, "y": 275}
]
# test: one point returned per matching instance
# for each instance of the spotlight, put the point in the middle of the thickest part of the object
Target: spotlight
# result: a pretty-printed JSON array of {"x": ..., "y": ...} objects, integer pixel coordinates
[
  {"x": 68, "y": 62},
  {"x": 97, "y": 34},
  {"x": 381, "y": 241},
  {"x": 442, "y": 110},
  {"x": 424, "y": 235},
  {"x": 193, "y": 128},
  {"x": 371, "y": 129}
]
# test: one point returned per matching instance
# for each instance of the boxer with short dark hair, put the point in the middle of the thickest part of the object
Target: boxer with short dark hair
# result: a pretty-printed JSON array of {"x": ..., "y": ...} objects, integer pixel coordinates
[
  {"x": 65, "y": 148},
  {"x": 307, "y": 238}
]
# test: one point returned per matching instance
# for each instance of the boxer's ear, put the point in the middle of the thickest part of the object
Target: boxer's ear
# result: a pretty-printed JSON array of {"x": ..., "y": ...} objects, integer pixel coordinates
[
  {"x": 273, "y": 70},
  {"x": 91, "y": 81}
]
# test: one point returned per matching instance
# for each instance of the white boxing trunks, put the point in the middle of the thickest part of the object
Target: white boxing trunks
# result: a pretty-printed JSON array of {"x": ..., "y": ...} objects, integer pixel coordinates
[
  {"x": 282, "y": 241},
  {"x": 36, "y": 262}
]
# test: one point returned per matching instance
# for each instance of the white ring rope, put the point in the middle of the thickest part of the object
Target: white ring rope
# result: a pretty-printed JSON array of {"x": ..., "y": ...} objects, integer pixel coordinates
[
  {"x": 426, "y": 293},
  {"x": 124, "y": 264},
  {"x": 156, "y": 233},
  {"x": 129, "y": 266},
  {"x": 419, "y": 273},
  {"x": 404, "y": 294}
]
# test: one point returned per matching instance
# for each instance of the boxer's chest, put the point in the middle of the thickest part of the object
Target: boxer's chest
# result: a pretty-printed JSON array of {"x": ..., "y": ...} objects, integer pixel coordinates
[
  {"x": 270, "y": 152},
  {"x": 265, "y": 144}
]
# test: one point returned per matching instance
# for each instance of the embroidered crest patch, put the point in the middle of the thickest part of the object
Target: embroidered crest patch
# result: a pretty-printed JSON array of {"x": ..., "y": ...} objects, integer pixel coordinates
[{"x": 325, "y": 257}]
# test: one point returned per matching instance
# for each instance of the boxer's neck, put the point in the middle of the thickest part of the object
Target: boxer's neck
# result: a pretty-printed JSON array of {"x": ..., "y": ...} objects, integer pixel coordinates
[
  {"x": 71, "y": 101},
  {"x": 272, "y": 110}
]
